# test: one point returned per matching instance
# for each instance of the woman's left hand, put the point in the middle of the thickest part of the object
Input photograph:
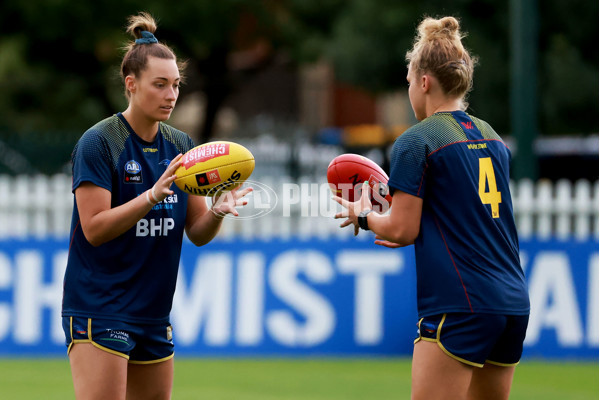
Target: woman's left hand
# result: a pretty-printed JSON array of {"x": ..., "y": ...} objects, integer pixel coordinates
[
  {"x": 353, "y": 209},
  {"x": 226, "y": 203}
]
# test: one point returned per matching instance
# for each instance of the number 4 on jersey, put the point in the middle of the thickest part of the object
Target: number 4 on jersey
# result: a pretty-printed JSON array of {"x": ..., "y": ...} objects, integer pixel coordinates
[{"x": 486, "y": 179}]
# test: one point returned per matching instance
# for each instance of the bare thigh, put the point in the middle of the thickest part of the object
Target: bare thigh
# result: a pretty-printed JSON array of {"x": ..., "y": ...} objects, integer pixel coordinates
[
  {"x": 150, "y": 381},
  {"x": 492, "y": 382},
  {"x": 97, "y": 374},
  {"x": 435, "y": 375}
]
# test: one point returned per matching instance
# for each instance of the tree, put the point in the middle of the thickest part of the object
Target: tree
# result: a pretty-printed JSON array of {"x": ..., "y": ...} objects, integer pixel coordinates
[
  {"x": 366, "y": 41},
  {"x": 59, "y": 60},
  {"x": 569, "y": 67},
  {"x": 55, "y": 69},
  {"x": 213, "y": 36},
  {"x": 58, "y": 67}
]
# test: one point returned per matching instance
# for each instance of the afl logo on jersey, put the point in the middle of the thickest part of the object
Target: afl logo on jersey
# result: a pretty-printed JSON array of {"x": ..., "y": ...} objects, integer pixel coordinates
[{"x": 133, "y": 172}]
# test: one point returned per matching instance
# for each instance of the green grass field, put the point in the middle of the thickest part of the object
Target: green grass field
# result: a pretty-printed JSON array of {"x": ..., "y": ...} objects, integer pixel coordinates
[{"x": 300, "y": 379}]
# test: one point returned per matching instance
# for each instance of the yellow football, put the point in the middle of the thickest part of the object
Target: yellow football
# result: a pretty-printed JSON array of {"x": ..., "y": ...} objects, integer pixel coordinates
[{"x": 214, "y": 167}]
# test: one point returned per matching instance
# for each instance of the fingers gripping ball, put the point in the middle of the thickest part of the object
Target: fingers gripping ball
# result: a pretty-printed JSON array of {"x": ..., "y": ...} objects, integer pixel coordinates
[
  {"x": 214, "y": 167},
  {"x": 347, "y": 172}
]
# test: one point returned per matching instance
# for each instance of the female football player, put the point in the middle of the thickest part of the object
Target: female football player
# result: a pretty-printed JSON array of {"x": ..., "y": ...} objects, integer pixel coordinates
[
  {"x": 127, "y": 232},
  {"x": 451, "y": 199}
]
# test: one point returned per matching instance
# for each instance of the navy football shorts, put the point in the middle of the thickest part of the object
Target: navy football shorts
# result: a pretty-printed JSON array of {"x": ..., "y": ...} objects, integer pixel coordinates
[
  {"x": 138, "y": 343},
  {"x": 476, "y": 339}
]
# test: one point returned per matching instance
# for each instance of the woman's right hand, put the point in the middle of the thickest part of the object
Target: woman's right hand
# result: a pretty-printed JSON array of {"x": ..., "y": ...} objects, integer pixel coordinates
[{"x": 162, "y": 187}]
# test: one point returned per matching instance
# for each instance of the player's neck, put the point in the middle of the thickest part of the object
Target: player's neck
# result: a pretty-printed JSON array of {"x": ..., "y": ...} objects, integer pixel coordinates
[
  {"x": 143, "y": 127},
  {"x": 442, "y": 105}
]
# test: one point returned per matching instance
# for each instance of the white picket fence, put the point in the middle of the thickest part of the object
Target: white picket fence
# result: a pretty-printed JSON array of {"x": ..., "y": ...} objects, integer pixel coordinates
[{"x": 41, "y": 206}]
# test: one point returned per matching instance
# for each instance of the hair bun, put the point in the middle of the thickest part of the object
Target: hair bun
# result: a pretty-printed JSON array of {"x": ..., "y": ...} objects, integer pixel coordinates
[
  {"x": 450, "y": 23},
  {"x": 140, "y": 23},
  {"x": 445, "y": 28}
]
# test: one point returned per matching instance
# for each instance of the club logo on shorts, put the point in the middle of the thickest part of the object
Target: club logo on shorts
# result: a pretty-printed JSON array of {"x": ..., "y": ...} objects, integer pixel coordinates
[
  {"x": 169, "y": 333},
  {"x": 80, "y": 330},
  {"x": 133, "y": 172}
]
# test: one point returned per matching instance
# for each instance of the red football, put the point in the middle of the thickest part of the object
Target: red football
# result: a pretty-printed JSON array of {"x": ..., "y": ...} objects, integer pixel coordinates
[{"x": 347, "y": 172}]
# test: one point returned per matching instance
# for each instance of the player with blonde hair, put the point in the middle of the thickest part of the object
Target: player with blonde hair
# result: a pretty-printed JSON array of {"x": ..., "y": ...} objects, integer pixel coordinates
[
  {"x": 127, "y": 232},
  {"x": 451, "y": 199}
]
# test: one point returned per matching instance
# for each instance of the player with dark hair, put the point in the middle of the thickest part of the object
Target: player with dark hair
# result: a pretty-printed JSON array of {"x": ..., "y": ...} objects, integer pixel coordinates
[
  {"x": 451, "y": 199},
  {"x": 127, "y": 232}
]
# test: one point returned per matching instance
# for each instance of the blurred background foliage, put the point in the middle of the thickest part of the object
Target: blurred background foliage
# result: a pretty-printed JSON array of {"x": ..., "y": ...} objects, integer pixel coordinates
[{"x": 59, "y": 59}]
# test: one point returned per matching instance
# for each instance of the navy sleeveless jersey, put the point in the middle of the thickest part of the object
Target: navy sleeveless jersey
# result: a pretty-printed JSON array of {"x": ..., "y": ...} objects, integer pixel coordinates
[
  {"x": 132, "y": 277},
  {"x": 467, "y": 252}
]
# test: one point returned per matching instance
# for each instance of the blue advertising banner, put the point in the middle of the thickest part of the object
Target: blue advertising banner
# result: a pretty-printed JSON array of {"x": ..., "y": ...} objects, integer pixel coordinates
[{"x": 299, "y": 298}]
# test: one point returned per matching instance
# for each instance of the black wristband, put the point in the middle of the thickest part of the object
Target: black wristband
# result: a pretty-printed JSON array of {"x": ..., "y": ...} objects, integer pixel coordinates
[{"x": 363, "y": 219}]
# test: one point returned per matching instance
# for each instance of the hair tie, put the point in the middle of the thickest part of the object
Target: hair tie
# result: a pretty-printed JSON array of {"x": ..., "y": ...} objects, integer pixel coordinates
[
  {"x": 457, "y": 64},
  {"x": 146, "y": 38}
]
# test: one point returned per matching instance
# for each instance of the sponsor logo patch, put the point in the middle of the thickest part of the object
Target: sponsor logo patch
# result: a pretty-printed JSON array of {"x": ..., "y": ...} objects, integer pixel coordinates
[
  {"x": 115, "y": 336},
  {"x": 133, "y": 172},
  {"x": 208, "y": 178}
]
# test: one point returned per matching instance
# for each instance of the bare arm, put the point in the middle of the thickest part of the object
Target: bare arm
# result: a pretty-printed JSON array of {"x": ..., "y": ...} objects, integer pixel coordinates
[
  {"x": 101, "y": 223},
  {"x": 402, "y": 225}
]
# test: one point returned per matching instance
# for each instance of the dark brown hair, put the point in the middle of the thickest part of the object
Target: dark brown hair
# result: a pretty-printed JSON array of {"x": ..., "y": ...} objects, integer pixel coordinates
[{"x": 136, "y": 56}]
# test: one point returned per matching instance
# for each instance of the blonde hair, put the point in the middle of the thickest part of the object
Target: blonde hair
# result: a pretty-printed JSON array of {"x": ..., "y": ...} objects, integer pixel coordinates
[
  {"x": 438, "y": 50},
  {"x": 136, "y": 56}
]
